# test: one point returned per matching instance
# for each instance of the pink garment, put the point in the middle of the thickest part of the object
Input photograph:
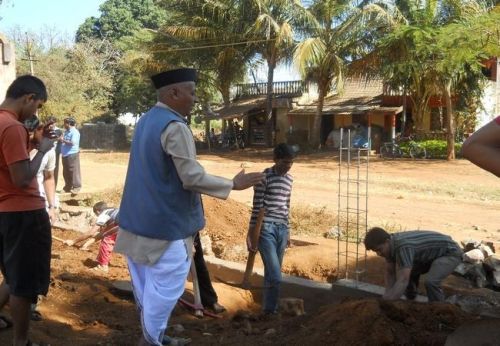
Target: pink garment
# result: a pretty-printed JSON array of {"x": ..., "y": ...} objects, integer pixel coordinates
[{"x": 105, "y": 249}]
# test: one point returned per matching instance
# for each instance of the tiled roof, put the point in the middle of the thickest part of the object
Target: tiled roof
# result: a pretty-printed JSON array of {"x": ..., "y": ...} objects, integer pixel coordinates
[{"x": 358, "y": 95}]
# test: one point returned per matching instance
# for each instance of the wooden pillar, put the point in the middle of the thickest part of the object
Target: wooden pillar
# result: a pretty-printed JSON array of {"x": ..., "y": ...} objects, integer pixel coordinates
[{"x": 393, "y": 126}]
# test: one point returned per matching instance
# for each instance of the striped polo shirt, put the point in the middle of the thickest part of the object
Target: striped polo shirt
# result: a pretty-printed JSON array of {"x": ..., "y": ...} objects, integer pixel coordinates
[
  {"x": 423, "y": 247},
  {"x": 274, "y": 195}
]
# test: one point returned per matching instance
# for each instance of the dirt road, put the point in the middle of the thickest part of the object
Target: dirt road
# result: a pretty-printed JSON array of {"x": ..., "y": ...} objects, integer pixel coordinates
[{"x": 456, "y": 197}]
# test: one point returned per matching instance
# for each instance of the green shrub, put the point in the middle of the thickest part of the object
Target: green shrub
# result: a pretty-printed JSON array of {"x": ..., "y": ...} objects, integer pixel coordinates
[{"x": 436, "y": 148}]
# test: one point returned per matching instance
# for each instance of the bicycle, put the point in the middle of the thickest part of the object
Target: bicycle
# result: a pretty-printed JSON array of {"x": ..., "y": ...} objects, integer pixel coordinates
[
  {"x": 390, "y": 150},
  {"x": 403, "y": 145}
]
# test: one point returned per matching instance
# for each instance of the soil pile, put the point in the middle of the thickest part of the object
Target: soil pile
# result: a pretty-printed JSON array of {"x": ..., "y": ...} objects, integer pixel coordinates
[
  {"x": 378, "y": 322},
  {"x": 227, "y": 225}
]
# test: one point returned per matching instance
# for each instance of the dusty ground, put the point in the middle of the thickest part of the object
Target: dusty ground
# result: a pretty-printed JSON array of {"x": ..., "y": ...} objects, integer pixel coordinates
[{"x": 83, "y": 308}]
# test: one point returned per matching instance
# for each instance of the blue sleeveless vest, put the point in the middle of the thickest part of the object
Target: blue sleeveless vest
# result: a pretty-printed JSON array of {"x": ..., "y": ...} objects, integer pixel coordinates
[{"x": 154, "y": 203}]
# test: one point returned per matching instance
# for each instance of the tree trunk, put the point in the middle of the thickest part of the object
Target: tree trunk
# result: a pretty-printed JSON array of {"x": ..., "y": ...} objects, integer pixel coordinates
[
  {"x": 315, "y": 136},
  {"x": 450, "y": 122},
  {"x": 269, "y": 104},
  {"x": 419, "y": 113},
  {"x": 207, "y": 134}
]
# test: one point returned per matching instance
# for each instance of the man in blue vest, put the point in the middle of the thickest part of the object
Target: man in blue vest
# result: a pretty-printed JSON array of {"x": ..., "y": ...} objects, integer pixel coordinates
[{"x": 161, "y": 206}]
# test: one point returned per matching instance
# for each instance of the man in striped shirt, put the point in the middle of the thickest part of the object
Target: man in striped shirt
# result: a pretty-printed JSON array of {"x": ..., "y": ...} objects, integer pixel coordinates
[
  {"x": 410, "y": 254},
  {"x": 274, "y": 196}
]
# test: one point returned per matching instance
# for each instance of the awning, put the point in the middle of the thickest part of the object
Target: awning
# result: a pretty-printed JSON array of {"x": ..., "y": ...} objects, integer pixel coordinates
[
  {"x": 347, "y": 110},
  {"x": 237, "y": 109},
  {"x": 241, "y": 108}
]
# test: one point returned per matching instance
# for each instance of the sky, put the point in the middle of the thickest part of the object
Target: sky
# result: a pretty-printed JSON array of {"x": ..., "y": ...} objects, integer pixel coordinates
[
  {"x": 67, "y": 15},
  {"x": 32, "y": 15}
]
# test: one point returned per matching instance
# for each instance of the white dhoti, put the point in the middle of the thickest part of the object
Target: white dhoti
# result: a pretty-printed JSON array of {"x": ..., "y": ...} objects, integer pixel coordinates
[{"x": 157, "y": 288}]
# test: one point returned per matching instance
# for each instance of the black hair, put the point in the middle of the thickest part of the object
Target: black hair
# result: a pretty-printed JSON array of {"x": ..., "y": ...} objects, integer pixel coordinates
[
  {"x": 51, "y": 119},
  {"x": 100, "y": 206},
  {"x": 25, "y": 85},
  {"x": 284, "y": 151},
  {"x": 375, "y": 237},
  {"x": 70, "y": 120}
]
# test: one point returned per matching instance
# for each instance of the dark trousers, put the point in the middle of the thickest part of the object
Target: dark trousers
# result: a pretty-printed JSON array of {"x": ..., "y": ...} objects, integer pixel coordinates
[
  {"x": 71, "y": 172},
  {"x": 207, "y": 292}
]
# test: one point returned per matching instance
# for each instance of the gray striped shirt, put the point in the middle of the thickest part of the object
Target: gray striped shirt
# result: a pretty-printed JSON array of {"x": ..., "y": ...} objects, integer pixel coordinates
[
  {"x": 412, "y": 247},
  {"x": 274, "y": 195}
]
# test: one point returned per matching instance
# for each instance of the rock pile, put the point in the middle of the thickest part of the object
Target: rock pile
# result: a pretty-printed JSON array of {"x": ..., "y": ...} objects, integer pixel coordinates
[{"x": 480, "y": 264}]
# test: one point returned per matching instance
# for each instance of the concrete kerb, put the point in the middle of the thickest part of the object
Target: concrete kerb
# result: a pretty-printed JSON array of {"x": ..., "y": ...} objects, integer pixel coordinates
[{"x": 314, "y": 294}]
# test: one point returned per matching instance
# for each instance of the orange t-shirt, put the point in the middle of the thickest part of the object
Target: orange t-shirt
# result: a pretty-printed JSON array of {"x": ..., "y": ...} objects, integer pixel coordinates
[{"x": 14, "y": 140}]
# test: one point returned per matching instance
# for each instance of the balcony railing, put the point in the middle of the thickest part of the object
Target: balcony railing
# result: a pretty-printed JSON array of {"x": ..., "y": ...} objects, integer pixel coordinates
[{"x": 288, "y": 88}]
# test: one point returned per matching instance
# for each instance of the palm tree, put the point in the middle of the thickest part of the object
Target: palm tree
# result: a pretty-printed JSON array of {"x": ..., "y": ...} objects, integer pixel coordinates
[
  {"x": 340, "y": 37},
  {"x": 278, "y": 23},
  {"x": 208, "y": 34}
]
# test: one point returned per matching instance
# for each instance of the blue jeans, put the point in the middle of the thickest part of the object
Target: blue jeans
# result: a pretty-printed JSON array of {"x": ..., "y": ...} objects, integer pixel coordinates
[{"x": 272, "y": 244}]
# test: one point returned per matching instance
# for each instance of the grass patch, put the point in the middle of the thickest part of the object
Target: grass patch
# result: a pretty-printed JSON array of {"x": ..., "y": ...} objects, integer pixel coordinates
[{"x": 308, "y": 220}]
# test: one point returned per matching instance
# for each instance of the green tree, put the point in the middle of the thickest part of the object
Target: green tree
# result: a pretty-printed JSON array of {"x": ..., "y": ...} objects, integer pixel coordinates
[
  {"x": 122, "y": 23},
  {"x": 413, "y": 58},
  {"x": 134, "y": 92},
  {"x": 77, "y": 77},
  {"x": 121, "y": 18},
  {"x": 344, "y": 33},
  {"x": 460, "y": 47}
]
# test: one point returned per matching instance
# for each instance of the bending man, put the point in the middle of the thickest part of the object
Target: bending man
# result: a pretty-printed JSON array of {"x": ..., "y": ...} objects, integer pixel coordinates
[{"x": 410, "y": 254}]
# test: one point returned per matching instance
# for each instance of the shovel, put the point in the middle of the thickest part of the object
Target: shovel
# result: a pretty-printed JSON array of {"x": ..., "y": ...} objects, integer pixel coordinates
[
  {"x": 254, "y": 235},
  {"x": 254, "y": 240}
]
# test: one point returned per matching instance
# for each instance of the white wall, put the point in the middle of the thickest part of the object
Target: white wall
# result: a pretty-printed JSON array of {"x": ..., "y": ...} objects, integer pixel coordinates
[
  {"x": 7, "y": 68},
  {"x": 490, "y": 101}
]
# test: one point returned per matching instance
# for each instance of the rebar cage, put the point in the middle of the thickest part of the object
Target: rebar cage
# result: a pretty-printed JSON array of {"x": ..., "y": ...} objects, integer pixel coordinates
[{"x": 352, "y": 215}]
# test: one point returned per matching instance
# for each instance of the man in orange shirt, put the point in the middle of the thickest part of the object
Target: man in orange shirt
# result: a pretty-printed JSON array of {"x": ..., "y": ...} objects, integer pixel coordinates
[{"x": 25, "y": 238}]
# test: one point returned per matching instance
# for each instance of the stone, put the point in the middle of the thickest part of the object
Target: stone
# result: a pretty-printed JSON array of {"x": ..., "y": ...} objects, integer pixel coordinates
[
  {"x": 270, "y": 331},
  {"x": 492, "y": 263},
  {"x": 495, "y": 279},
  {"x": 470, "y": 244},
  {"x": 463, "y": 268},
  {"x": 473, "y": 256},
  {"x": 485, "y": 306},
  {"x": 487, "y": 251},
  {"x": 206, "y": 244},
  {"x": 292, "y": 306},
  {"x": 333, "y": 233},
  {"x": 177, "y": 328}
]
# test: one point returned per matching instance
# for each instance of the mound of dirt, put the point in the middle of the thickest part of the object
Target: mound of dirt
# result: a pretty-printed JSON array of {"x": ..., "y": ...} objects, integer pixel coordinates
[
  {"x": 378, "y": 322},
  {"x": 227, "y": 225}
]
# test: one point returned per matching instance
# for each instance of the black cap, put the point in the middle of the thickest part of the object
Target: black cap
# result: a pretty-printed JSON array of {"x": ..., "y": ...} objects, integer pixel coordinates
[{"x": 174, "y": 76}]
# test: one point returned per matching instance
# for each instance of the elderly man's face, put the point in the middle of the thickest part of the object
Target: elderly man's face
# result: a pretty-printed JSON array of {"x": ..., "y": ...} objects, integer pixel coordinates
[{"x": 182, "y": 97}]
